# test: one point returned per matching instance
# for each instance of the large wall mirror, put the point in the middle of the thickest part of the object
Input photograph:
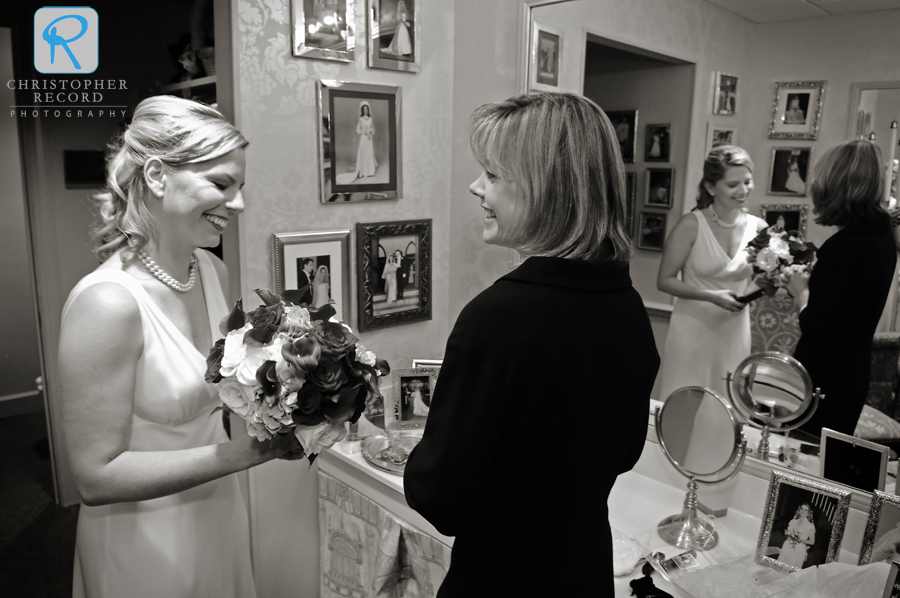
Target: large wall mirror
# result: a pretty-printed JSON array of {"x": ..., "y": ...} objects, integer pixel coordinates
[{"x": 862, "y": 98}]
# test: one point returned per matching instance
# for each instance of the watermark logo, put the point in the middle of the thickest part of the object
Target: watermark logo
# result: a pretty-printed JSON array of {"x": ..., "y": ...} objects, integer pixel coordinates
[{"x": 66, "y": 40}]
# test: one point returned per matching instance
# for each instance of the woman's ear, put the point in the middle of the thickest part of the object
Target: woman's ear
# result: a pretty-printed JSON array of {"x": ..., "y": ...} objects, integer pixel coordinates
[
  {"x": 155, "y": 176},
  {"x": 709, "y": 188}
]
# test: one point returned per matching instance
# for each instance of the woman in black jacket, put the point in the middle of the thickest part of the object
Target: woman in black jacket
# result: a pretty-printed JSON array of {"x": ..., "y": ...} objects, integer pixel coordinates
[
  {"x": 841, "y": 302},
  {"x": 543, "y": 395}
]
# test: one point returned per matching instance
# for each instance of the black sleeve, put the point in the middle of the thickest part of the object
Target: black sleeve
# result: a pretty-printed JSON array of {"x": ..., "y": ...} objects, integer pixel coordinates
[
  {"x": 448, "y": 472},
  {"x": 832, "y": 293}
]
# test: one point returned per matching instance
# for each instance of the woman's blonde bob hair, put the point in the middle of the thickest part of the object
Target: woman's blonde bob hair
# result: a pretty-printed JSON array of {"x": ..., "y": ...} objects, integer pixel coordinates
[
  {"x": 561, "y": 149},
  {"x": 848, "y": 185},
  {"x": 175, "y": 131}
]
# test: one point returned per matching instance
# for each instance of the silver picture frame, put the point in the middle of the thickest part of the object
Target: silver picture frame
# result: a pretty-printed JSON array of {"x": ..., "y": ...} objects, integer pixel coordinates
[
  {"x": 882, "y": 530},
  {"x": 329, "y": 249},
  {"x": 395, "y": 35},
  {"x": 799, "y": 510},
  {"x": 797, "y": 110},
  {"x": 792, "y": 216},
  {"x": 545, "y": 58},
  {"x": 790, "y": 170},
  {"x": 407, "y": 406},
  {"x": 323, "y": 34}
]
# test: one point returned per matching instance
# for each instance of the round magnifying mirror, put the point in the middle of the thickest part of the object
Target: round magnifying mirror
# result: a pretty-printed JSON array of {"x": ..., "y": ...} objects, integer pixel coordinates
[
  {"x": 700, "y": 435},
  {"x": 772, "y": 390}
]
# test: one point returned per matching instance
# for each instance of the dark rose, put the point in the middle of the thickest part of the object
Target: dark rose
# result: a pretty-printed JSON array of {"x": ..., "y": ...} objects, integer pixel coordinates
[
  {"x": 266, "y": 377},
  {"x": 328, "y": 375},
  {"x": 334, "y": 339},
  {"x": 214, "y": 361},
  {"x": 307, "y": 419},
  {"x": 265, "y": 321},
  {"x": 308, "y": 399},
  {"x": 321, "y": 314},
  {"x": 235, "y": 319},
  {"x": 345, "y": 404},
  {"x": 269, "y": 298},
  {"x": 303, "y": 354}
]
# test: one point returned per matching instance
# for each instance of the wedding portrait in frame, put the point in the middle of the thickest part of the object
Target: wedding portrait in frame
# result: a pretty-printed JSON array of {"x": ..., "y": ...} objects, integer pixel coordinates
[
  {"x": 323, "y": 34},
  {"x": 658, "y": 187},
  {"x": 625, "y": 124},
  {"x": 651, "y": 231},
  {"x": 797, "y": 110},
  {"x": 359, "y": 140},
  {"x": 394, "y": 35},
  {"x": 882, "y": 534},
  {"x": 789, "y": 171},
  {"x": 717, "y": 135},
  {"x": 318, "y": 260},
  {"x": 393, "y": 263},
  {"x": 725, "y": 96},
  {"x": 656, "y": 143},
  {"x": 787, "y": 216},
  {"x": 545, "y": 57},
  {"x": 803, "y": 523},
  {"x": 410, "y": 399}
]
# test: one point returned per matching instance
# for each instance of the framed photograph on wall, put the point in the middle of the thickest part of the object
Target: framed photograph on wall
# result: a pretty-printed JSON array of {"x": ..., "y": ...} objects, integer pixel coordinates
[
  {"x": 717, "y": 135},
  {"x": 725, "y": 94},
  {"x": 787, "y": 216},
  {"x": 658, "y": 186},
  {"x": 321, "y": 34},
  {"x": 544, "y": 57},
  {"x": 420, "y": 363},
  {"x": 318, "y": 260},
  {"x": 393, "y": 261},
  {"x": 360, "y": 154},
  {"x": 395, "y": 35},
  {"x": 882, "y": 533},
  {"x": 797, "y": 110},
  {"x": 652, "y": 231},
  {"x": 789, "y": 171},
  {"x": 656, "y": 143},
  {"x": 408, "y": 404},
  {"x": 630, "y": 201},
  {"x": 803, "y": 523},
  {"x": 625, "y": 123}
]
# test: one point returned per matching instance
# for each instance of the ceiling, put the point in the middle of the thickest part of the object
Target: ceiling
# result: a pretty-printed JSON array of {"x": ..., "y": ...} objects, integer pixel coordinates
[{"x": 770, "y": 11}]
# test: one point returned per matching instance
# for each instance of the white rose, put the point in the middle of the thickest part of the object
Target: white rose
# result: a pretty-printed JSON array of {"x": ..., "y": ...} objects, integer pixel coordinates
[
  {"x": 315, "y": 439},
  {"x": 296, "y": 317},
  {"x": 236, "y": 396},
  {"x": 234, "y": 351},
  {"x": 363, "y": 356},
  {"x": 766, "y": 260},
  {"x": 780, "y": 247},
  {"x": 258, "y": 431},
  {"x": 254, "y": 356}
]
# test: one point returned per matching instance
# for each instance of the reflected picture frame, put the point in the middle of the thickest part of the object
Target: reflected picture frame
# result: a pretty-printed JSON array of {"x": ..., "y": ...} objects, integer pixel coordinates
[
  {"x": 651, "y": 233},
  {"x": 882, "y": 528},
  {"x": 395, "y": 35},
  {"x": 717, "y": 135},
  {"x": 406, "y": 406},
  {"x": 331, "y": 249},
  {"x": 725, "y": 93},
  {"x": 359, "y": 160},
  {"x": 625, "y": 124},
  {"x": 794, "y": 216},
  {"x": 410, "y": 301},
  {"x": 797, "y": 110},
  {"x": 323, "y": 37},
  {"x": 789, "y": 171},
  {"x": 659, "y": 184},
  {"x": 785, "y": 525},
  {"x": 544, "y": 57}
]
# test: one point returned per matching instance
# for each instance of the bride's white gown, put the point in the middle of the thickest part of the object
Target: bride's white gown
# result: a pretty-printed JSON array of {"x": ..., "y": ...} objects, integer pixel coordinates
[
  {"x": 705, "y": 341},
  {"x": 194, "y": 543}
]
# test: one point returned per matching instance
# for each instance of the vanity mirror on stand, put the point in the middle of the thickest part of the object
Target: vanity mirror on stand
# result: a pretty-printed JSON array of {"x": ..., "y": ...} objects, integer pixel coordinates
[
  {"x": 700, "y": 435},
  {"x": 773, "y": 392}
]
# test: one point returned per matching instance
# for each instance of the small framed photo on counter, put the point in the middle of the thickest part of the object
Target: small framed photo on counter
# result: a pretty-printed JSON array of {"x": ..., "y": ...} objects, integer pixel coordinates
[
  {"x": 852, "y": 461},
  {"x": 803, "y": 523},
  {"x": 882, "y": 533},
  {"x": 408, "y": 404}
]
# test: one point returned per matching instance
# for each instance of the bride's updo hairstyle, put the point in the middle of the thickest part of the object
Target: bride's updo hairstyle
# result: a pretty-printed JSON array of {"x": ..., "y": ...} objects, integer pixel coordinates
[
  {"x": 177, "y": 132},
  {"x": 561, "y": 149},
  {"x": 717, "y": 162}
]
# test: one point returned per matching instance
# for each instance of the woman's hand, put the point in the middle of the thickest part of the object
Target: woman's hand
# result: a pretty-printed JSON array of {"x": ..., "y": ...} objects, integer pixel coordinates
[
  {"x": 798, "y": 284},
  {"x": 725, "y": 299}
]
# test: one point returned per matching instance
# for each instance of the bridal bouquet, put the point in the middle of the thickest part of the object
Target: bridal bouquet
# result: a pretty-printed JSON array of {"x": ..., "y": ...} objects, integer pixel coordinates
[
  {"x": 776, "y": 254},
  {"x": 288, "y": 367}
]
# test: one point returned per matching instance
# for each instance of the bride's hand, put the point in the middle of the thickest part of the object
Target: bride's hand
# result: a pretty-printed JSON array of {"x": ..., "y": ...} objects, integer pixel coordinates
[{"x": 725, "y": 299}]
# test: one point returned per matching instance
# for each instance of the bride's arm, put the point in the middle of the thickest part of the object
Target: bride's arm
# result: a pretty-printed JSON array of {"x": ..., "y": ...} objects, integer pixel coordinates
[{"x": 100, "y": 344}]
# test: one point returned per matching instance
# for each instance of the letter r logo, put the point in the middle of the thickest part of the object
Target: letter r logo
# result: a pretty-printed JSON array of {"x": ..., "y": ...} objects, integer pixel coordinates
[{"x": 66, "y": 40}]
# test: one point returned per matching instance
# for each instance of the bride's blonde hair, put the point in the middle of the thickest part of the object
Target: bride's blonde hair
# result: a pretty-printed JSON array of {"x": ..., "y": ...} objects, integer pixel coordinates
[{"x": 175, "y": 131}]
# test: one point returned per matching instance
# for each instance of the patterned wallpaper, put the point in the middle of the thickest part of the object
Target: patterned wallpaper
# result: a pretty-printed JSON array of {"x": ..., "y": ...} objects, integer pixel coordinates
[{"x": 276, "y": 107}]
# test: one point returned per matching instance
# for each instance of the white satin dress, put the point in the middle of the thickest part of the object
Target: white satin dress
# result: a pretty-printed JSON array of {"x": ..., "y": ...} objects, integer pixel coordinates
[
  {"x": 194, "y": 543},
  {"x": 705, "y": 341}
]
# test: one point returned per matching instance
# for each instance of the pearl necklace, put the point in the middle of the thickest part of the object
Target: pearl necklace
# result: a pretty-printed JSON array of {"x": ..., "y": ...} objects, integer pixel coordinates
[
  {"x": 164, "y": 277},
  {"x": 717, "y": 220}
]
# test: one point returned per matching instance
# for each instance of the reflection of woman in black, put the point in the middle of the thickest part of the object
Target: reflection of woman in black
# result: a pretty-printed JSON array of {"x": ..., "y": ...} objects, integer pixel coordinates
[{"x": 841, "y": 302}]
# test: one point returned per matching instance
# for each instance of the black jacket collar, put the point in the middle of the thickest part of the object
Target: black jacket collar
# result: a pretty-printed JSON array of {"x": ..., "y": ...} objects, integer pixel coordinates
[{"x": 572, "y": 274}]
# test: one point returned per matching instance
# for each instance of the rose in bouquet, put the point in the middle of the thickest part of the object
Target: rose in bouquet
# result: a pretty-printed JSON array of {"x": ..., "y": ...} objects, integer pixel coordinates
[
  {"x": 775, "y": 255},
  {"x": 288, "y": 367}
]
